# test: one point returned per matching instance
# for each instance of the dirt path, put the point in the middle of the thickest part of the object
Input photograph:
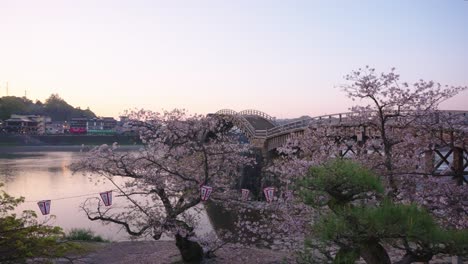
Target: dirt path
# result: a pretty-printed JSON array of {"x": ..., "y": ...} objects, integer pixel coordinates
[{"x": 165, "y": 252}]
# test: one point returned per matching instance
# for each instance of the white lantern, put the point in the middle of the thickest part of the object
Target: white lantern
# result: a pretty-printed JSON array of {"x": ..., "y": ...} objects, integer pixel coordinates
[
  {"x": 269, "y": 193},
  {"x": 106, "y": 198},
  {"x": 205, "y": 192},
  {"x": 245, "y": 194},
  {"x": 44, "y": 206}
]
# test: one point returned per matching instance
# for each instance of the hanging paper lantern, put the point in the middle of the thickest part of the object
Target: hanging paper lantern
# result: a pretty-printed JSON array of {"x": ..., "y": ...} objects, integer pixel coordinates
[
  {"x": 245, "y": 194},
  {"x": 44, "y": 205},
  {"x": 106, "y": 198},
  {"x": 269, "y": 193},
  {"x": 205, "y": 192}
]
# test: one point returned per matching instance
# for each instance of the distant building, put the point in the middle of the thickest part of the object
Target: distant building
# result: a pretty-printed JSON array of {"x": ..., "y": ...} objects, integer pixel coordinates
[
  {"x": 101, "y": 126},
  {"x": 56, "y": 127},
  {"x": 109, "y": 123},
  {"x": 78, "y": 125},
  {"x": 120, "y": 128},
  {"x": 94, "y": 124},
  {"x": 26, "y": 124}
]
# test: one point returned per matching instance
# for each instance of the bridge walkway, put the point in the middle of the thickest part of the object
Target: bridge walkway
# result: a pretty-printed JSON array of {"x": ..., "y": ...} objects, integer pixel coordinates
[{"x": 259, "y": 123}]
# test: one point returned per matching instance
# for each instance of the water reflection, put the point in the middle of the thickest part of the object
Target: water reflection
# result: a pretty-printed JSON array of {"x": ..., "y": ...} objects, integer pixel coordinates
[
  {"x": 46, "y": 175},
  {"x": 6, "y": 173}
]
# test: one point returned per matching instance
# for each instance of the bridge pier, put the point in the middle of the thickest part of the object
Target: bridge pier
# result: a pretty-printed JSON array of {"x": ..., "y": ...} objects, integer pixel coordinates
[
  {"x": 429, "y": 158},
  {"x": 458, "y": 164}
]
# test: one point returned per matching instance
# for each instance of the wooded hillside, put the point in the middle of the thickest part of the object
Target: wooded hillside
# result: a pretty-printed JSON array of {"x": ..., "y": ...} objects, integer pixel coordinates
[{"x": 54, "y": 106}]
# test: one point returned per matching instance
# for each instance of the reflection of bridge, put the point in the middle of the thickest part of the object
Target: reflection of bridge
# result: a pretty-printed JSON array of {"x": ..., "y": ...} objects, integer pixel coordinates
[{"x": 265, "y": 133}]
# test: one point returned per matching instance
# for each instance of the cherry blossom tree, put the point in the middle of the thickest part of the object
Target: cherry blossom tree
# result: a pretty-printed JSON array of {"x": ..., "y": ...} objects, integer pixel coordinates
[
  {"x": 395, "y": 110},
  {"x": 402, "y": 125},
  {"x": 162, "y": 180},
  {"x": 409, "y": 127}
]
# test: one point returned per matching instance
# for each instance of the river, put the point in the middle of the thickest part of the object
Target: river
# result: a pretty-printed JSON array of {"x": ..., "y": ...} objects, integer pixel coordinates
[{"x": 39, "y": 174}]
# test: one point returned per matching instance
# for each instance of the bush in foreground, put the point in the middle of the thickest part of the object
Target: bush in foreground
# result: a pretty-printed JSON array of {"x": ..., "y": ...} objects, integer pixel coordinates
[
  {"x": 22, "y": 237},
  {"x": 358, "y": 221},
  {"x": 80, "y": 234}
]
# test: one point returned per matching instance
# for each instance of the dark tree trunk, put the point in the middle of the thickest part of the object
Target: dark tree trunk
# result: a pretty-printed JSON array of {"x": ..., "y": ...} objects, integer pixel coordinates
[
  {"x": 346, "y": 256},
  {"x": 190, "y": 251},
  {"x": 374, "y": 253}
]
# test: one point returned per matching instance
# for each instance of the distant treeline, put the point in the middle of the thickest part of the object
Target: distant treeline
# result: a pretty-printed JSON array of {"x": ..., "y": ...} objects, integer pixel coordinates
[{"x": 54, "y": 106}]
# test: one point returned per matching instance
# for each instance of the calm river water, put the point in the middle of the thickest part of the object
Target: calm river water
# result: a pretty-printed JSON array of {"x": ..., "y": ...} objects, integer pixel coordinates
[{"x": 41, "y": 175}]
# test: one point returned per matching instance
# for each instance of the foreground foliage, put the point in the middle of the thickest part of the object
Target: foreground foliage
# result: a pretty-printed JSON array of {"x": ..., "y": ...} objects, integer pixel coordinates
[
  {"x": 359, "y": 222},
  {"x": 80, "y": 234},
  {"x": 22, "y": 237}
]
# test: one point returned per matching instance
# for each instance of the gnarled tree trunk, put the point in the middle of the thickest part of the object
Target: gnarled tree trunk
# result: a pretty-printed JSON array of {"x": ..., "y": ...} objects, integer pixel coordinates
[
  {"x": 373, "y": 253},
  {"x": 190, "y": 251}
]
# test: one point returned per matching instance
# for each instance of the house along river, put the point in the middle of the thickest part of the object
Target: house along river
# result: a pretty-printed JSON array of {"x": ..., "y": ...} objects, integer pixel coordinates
[{"x": 42, "y": 173}]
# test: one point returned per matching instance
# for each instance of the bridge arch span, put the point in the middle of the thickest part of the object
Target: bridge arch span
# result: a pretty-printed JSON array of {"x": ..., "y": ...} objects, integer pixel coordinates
[
  {"x": 253, "y": 112},
  {"x": 255, "y": 122},
  {"x": 226, "y": 112},
  {"x": 240, "y": 121}
]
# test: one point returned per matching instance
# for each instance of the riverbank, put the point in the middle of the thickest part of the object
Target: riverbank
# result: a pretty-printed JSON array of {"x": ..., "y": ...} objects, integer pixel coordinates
[
  {"x": 54, "y": 148},
  {"x": 10, "y": 140}
]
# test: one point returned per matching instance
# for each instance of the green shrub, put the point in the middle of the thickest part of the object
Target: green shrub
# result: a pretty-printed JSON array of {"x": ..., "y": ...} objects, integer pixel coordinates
[
  {"x": 23, "y": 239},
  {"x": 359, "y": 221},
  {"x": 80, "y": 234},
  {"x": 341, "y": 181}
]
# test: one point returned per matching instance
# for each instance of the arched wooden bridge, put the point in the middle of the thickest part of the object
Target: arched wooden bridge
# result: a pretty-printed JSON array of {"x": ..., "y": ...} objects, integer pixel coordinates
[{"x": 264, "y": 132}]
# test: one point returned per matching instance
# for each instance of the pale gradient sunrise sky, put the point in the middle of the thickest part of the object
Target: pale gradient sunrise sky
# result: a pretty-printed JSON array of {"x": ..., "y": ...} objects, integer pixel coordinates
[{"x": 286, "y": 58}]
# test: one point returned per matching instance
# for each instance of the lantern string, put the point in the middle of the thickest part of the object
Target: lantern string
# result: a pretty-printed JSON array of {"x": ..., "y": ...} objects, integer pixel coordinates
[{"x": 67, "y": 197}]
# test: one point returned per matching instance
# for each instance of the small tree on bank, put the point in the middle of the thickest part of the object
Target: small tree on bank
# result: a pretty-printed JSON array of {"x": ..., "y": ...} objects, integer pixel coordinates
[
  {"x": 359, "y": 224},
  {"x": 162, "y": 180},
  {"x": 23, "y": 238}
]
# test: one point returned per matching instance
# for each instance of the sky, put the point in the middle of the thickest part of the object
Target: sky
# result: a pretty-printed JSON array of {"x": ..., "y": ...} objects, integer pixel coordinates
[{"x": 285, "y": 58}]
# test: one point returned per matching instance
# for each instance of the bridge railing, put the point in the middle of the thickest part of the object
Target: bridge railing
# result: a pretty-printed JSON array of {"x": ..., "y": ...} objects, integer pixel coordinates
[
  {"x": 226, "y": 112},
  {"x": 257, "y": 113},
  {"x": 333, "y": 119},
  {"x": 261, "y": 133},
  {"x": 324, "y": 119},
  {"x": 348, "y": 117},
  {"x": 242, "y": 123}
]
